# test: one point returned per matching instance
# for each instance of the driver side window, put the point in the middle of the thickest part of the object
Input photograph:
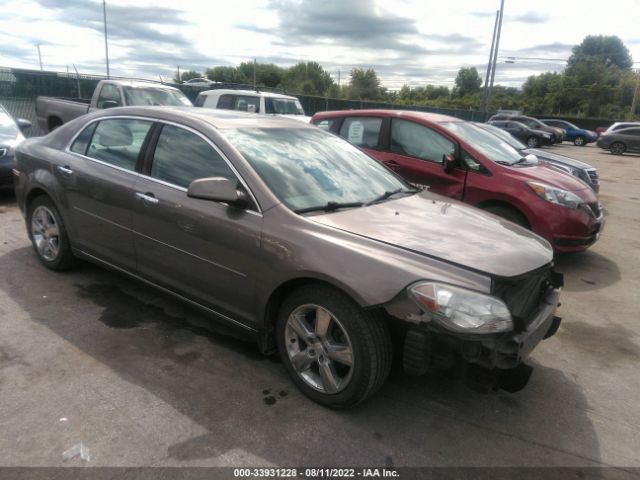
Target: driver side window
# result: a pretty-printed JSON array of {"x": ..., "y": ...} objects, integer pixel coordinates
[
  {"x": 414, "y": 140},
  {"x": 109, "y": 92}
]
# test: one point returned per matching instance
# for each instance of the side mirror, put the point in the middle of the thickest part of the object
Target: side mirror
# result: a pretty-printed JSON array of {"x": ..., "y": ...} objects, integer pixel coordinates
[
  {"x": 218, "y": 189},
  {"x": 110, "y": 104},
  {"x": 23, "y": 124},
  {"x": 448, "y": 162}
]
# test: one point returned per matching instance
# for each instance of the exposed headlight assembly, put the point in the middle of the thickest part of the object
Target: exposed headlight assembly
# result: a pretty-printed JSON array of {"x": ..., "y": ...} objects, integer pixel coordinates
[
  {"x": 555, "y": 195},
  {"x": 461, "y": 310}
]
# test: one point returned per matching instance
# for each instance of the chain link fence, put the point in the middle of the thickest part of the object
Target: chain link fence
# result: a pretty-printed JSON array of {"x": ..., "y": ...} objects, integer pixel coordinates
[{"x": 19, "y": 89}]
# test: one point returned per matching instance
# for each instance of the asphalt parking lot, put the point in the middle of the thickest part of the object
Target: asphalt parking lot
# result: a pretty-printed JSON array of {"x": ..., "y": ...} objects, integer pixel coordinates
[{"x": 141, "y": 380}]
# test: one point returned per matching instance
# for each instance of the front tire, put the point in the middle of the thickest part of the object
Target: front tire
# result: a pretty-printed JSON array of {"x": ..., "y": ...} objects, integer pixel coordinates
[
  {"x": 579, "y": 141},
  {"x": 48, "y": 235},
  {"x": 617, "y": 148},
  {"x": 510, "y": 214},
  {"x": 336, "y": 353},
  {"x": 533, "y": 142}
]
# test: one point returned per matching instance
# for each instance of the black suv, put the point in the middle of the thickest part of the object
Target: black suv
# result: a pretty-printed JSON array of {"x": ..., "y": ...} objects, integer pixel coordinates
[{"x": 533, "y": 123}]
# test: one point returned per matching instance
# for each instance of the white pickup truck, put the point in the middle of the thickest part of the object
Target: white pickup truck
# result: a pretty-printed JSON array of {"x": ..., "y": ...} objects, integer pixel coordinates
[
  {"x": 253, "y": 101},
  {"x": 53, "y": 112}
]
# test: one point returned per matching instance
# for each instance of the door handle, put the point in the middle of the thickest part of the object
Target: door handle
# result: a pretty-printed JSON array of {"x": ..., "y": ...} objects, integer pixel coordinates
[
  {"x": 147, "y": 198},
  {"x": 64, "y": 170}
]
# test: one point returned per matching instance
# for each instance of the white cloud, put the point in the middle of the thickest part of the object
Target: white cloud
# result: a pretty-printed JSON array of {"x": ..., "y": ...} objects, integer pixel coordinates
[{"x": 406, "y": 41}]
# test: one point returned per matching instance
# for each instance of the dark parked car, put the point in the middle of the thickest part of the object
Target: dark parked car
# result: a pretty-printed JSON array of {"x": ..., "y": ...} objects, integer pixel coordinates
[
  {"x": 459, "y": 160},
  {"x": 10, "y": 138},
  {"x": 583, "y": 171},
  {"x": 621, "y": 141},
  {"x": 297, "y": 238},
  {"x": 579, "y": 136},
  {"x": 534, "y": 124},
  {"x": 533, "y": 138}
]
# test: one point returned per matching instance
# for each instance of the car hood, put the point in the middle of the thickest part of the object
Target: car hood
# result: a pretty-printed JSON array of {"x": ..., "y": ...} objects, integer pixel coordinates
[
  {"x": 444, "y": 229},
  {"x": 302, "y": 118},
  {"x": 540, "y": 131},
  {"x": 553, "y": 177},
  {"x": 554, "y": 157}
]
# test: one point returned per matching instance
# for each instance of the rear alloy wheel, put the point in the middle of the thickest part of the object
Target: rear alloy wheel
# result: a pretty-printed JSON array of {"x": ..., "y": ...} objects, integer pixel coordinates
[
  {"x": 579, "y": 141},
  {"x": 533, "y": 142},
  {"x": 335, "y": 352},
  {"x": 48, "y": 235},
  {"x": 617, "y": 148}
]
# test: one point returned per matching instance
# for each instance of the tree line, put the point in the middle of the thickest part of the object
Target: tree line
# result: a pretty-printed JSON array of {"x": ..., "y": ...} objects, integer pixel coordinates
[{"x": 598, "y": 81}]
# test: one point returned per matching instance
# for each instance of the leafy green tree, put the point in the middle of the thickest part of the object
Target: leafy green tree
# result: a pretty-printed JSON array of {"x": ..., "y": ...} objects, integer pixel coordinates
[
  {"x": 267, "y": 74},
  {"x": 226, "y": 74},
  {"x": 188, "y": 75},
  {"x": 308, "y": 78},
  {"x": 600, "y": 49},
  {"x": 468, "y": 81},
  {"x": 364, "y": 84}
]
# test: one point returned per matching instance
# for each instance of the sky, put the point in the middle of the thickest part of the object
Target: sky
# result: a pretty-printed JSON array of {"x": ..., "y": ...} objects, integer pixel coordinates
[{"x": 413, "y": 42}]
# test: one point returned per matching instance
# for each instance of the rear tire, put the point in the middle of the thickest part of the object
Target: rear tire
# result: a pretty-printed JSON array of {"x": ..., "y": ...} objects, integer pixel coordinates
[
  {"x": 579, "y": 141},
  {"x": 533, "y": 142},
  {"x": 336, "y": 353},
  {"x": 617, "y": 148},
  {"x": 48, "y": 235},
  {"x": 510, "y": 214}
]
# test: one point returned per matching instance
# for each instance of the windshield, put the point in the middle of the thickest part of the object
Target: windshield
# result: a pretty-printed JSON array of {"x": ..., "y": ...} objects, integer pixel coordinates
[
  {"x": 155, "y": 96},
  {"x": 532, "y": 123},
  {"x": 308, "y": 167},
  {"x": 505, "y": 136},
  {"x": 283, "y": 106},
  {"x": 492, "y": 147},
  {"x": 7, "y": 125}
]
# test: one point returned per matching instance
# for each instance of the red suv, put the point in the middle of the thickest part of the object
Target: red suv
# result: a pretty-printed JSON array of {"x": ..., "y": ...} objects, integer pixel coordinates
[{"x": 460, "y": 160}]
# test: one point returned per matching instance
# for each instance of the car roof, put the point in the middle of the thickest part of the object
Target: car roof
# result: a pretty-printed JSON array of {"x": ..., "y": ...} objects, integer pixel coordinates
[
  {"x": 410, "y": 114},
  {"x": 257, "y": 93},
  {"x": 217, "y": 118}
]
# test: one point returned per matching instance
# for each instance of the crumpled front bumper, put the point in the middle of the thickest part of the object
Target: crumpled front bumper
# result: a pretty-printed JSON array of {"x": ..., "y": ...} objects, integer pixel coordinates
[{"x": 493, "y": 357}]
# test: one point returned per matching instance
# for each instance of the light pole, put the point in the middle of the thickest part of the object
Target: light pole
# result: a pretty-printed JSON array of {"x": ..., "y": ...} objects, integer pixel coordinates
[
  {"x": 39, "y": 55},
  {"x": 495, "y": 56},
  {"x": 483, "y": 103},
  {"x": 106, "y": 43}
]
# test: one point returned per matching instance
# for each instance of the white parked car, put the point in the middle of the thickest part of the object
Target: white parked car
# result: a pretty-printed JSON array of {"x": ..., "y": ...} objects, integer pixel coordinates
[
  {"x": 253, "y": 101},
  {"x": 199, "y": 82}
]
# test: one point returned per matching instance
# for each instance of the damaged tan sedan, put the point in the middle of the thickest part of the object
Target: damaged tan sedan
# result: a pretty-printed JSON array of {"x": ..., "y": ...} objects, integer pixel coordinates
[{"x": 295, "y": 237}]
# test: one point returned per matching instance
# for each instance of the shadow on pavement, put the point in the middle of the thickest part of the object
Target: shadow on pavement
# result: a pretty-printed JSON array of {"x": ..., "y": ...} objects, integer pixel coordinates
[
  {"x": 246, "y": 402},
  {"x": 587, "y": 271}
]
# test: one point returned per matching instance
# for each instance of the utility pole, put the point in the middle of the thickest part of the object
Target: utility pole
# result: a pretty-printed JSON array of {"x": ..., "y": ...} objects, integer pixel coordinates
[
  {"x": 338, "y": 79},
  {"x": 483, "y": 103},
  {"x": 254, "y": 74},
  {"x": 39, "y": 55},
  {"x": 495, "y": 55},
  {"x": 106, "y": 43},
  {"x": 179, "y": 77},
  {"x": 636, "y": 93}
]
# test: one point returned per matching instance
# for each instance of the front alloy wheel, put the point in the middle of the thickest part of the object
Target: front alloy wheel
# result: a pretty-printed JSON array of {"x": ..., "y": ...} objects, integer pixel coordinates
[
  {"x": 319, "y": 348},
  {"x": 533, "y": 142},
  {"x": 336, "y": 353}
]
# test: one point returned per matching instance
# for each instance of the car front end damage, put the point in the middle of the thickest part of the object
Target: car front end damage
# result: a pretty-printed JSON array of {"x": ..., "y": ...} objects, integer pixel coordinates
[{"x": 484, "y": 337}]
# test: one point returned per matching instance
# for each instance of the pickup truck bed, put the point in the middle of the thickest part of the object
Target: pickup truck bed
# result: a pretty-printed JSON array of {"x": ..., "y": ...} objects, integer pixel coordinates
[{"x": 54, "y": 111}]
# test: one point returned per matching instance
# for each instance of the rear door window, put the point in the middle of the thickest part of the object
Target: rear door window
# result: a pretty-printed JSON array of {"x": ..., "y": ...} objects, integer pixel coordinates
[
  {"x": 225, "y": 101},
  {"x": 118, "y": 141},
  {"x": 182, "y": 156},
  {"x": 414, "y": 140},
  {"x": 361, "y": 131}
]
